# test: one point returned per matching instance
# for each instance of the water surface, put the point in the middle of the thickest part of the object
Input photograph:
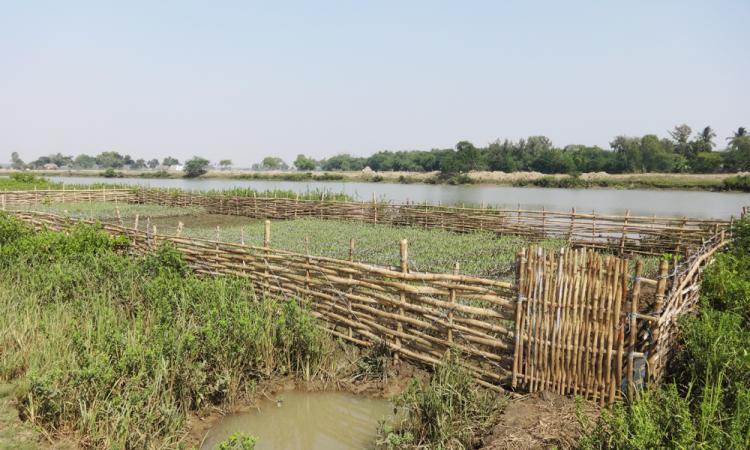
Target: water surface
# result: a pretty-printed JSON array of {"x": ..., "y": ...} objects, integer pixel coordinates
[
  {"x": 307, "y": 421},
  {"x": 614, "y": 201}
]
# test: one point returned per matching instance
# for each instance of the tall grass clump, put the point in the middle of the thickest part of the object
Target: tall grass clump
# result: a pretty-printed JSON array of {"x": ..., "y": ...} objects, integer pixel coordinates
[
  {"x": 706, "y": 400},
  {"x": 118, "y": 350},
  {"x": 448, "y": 411}
]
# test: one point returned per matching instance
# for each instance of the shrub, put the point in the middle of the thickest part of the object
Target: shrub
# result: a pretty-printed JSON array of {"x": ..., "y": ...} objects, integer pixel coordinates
[
  {"x": 450, "y": 411},
  {"x": 737, "y": 183},
  {"x": 238, "y": 441}
]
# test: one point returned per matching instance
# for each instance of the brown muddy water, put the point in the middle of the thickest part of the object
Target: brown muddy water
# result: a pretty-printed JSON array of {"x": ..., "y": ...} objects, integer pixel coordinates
[{"x": 306, "y": 421}]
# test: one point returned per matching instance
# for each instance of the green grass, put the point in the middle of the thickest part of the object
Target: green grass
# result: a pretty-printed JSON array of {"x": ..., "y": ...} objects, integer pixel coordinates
[
  {"x": 430, "y": 250},
  {"x": 108, "y": 210},
  {"x": 116, "y": 351}
]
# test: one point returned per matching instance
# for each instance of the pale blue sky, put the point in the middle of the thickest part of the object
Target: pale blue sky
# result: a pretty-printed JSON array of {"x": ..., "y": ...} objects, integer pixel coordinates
[{"x": 243, "y": 80}]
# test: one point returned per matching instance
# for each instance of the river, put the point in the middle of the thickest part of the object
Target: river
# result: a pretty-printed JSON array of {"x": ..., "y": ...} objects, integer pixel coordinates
[{"x": 617, "y": 201}]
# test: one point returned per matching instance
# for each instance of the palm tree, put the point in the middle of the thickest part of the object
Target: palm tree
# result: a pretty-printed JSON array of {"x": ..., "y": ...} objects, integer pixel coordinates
[
  {"x": 707, "y": 136},
  {"x": 739, "y": 134}
]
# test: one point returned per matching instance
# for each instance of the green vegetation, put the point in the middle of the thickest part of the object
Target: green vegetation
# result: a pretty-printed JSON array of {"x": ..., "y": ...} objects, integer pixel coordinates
[
  {"x": 737, "y": 183},
  {"x": 430, "y": 250},
  {"x": 313, "y": 194},
  {"x": 196, "y": 167},
  {"x": 116, "y": 351},
  {"x": 238, "y": 441},
  {"x": 449, "y": 411},
  {"x": 683, "y": 151},
  {"x": 25, "y": 181},
  {"x": 706, "y": 401},
  {"x": 108, "y": 210}
]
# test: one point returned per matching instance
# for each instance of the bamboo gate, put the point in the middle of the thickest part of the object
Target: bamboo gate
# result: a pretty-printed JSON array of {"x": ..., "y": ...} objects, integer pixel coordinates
[{"x": 575, "y": 321}]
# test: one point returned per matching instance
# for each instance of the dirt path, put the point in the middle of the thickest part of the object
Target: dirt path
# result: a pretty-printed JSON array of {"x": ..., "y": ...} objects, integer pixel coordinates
[{"x": 539, "y": 421}]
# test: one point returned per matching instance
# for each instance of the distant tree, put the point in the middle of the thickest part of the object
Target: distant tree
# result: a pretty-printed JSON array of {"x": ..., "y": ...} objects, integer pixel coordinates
[
  {"x": 111, "y": 159},
  {"x": 138, "y": 164},
  {"x": 737, "y": 158},
  {"x": 738, "y": 135},
  {"x": 344, "y": 162},
  {"x": 169, "y": 161},
  {"x": 58, "y": 159},
  {"x": 84, "y": 161},
  {"x": 304, "y": 163},
  {"x": 196, "y": 167},
  {"x": 628, "y": 150},
  {"x": 273, "y": 163},
  {"x": 16, "y": 161},
  {"x": 707, "y": 162},
  {"x": 704, "y": 142},
  {"x": 225, "y": 164},
  {"x": 153, "y": 164},
  {"x": 681, "y": 136}
]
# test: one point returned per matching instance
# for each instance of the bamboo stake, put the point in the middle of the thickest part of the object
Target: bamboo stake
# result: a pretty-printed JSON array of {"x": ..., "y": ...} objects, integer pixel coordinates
[
  {"x": 520, "y": 286},
  {"x": 661, "y": 289},
  {"x": 456, "y": 269},
  {"x": 633, "y": 327},
  {"x": 404, "y": 251}
]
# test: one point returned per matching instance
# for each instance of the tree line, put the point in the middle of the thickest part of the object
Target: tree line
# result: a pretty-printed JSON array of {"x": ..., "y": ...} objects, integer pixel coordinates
[
  {"x": 104, "y": 160},
  {"x": 682, "y": 152}
]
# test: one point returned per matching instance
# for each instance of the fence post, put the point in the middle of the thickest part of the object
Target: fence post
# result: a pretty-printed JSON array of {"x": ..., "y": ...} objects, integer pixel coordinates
[
  {"x": 624, "y": 232},
  {"x": 456, "y": 269},
  {"x": 404, "y": 251},
  {"x": 572, "y": 224},
  {"x": 308, "y": 262},
  {"x": 351, "y": 277},
  {"x": 661, "y": 289},
  {"x": 374, "y": 208},
  {"x": 267, "y": 245},
  {"x": 520, "y": 277},
  {"x": 633, "y": 326}
]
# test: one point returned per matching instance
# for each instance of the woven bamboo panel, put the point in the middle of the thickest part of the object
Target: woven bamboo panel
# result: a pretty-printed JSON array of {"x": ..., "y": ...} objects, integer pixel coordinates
[{"x": 571, "y": 324}]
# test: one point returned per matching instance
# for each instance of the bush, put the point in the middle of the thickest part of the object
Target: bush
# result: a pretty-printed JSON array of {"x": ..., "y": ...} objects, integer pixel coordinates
[
  {"x": 450, "y": 411},
  {"x": 737, "y": 183}
]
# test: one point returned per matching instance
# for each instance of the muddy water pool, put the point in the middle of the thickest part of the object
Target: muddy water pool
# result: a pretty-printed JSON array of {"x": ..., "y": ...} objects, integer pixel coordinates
[{"x": 306, "y": 421}]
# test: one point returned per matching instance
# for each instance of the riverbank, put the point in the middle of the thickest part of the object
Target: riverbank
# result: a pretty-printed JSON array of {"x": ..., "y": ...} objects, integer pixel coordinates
[{"x": 705, "y": 182}]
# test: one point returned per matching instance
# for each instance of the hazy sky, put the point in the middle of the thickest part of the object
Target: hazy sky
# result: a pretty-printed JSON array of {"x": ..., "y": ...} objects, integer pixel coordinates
[{"x": 243, "y": 80}]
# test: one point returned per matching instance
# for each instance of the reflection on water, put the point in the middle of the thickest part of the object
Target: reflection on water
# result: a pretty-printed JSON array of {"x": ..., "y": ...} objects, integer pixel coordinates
[
  {"x": 613, "y": 201},
  {"x": 307, "y": 421}
]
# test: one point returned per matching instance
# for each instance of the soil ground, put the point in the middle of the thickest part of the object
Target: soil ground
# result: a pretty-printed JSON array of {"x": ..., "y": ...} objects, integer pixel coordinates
[
  {"x": 19, "y": 435},
  {"x": 539, "y": 421}
]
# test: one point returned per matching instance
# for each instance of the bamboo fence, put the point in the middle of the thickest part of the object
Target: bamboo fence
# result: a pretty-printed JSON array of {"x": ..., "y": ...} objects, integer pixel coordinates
[
  {"x": 623, "y": 234},
  {"x": 575, "y": 321}
]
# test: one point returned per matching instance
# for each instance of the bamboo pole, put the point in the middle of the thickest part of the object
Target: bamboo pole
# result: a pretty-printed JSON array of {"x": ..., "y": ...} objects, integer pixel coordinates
[
  {"x": 404, "y": 252},
  {"x": 633, "y": 327},
  {"x": 661, "y": 289},
  {"x": 456, "y": 269}
]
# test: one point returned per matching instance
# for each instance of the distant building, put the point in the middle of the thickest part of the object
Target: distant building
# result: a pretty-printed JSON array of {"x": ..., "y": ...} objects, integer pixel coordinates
[
  {"x": 176, "y": 168},
  {"x": 50, "y": 166}
]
